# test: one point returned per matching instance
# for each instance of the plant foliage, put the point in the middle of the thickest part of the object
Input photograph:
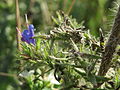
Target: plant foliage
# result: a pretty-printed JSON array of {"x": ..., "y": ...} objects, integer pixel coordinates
[{"x": 69, "y": 52}]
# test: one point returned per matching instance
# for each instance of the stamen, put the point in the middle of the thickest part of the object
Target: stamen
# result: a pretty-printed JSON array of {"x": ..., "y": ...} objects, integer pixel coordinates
[{"x": 26, "y": 19}]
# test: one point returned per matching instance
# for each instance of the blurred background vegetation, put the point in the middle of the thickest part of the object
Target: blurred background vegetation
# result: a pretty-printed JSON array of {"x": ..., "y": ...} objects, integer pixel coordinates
[{"x": 94, "y": 13}]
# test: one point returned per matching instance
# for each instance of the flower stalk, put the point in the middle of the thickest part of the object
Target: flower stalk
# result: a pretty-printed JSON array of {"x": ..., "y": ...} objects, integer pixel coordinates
[
  {"x": 110, "y": 47},
  {"x": 18, "y": 25}
]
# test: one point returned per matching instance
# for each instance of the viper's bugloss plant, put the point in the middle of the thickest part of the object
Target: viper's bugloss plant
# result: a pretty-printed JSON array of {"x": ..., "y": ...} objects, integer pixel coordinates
[{"x": 69, "y": 54}]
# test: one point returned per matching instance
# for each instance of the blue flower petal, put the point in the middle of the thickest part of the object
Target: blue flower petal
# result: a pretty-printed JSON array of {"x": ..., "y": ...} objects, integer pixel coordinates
[
  {"x": 31, "y": 27},
  {"x": 28, "y": 34}
]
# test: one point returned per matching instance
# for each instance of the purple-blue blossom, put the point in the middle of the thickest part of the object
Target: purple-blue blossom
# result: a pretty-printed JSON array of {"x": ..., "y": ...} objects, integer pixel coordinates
[{"x": 28, "y": 34}]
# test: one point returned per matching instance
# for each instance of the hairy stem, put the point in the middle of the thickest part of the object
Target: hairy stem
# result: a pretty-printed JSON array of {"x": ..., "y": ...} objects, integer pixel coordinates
[{"x": 110, "y": 47}]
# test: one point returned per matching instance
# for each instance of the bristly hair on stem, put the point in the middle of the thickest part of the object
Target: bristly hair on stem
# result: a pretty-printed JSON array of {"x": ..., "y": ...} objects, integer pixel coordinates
[
  {"x": 110, "y": 47},
  {"x": 18, "y": 25}
]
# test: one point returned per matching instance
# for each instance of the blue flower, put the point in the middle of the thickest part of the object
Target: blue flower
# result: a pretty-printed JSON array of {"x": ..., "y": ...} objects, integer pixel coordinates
[{"x": 28, "y": 34}]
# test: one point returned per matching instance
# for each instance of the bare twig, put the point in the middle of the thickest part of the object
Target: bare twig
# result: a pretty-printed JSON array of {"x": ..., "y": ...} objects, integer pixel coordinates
[
  {"x": 71, "y": 6},
  {"x": 18, "y": 25},
  {"x": 7, "y": 75}
]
